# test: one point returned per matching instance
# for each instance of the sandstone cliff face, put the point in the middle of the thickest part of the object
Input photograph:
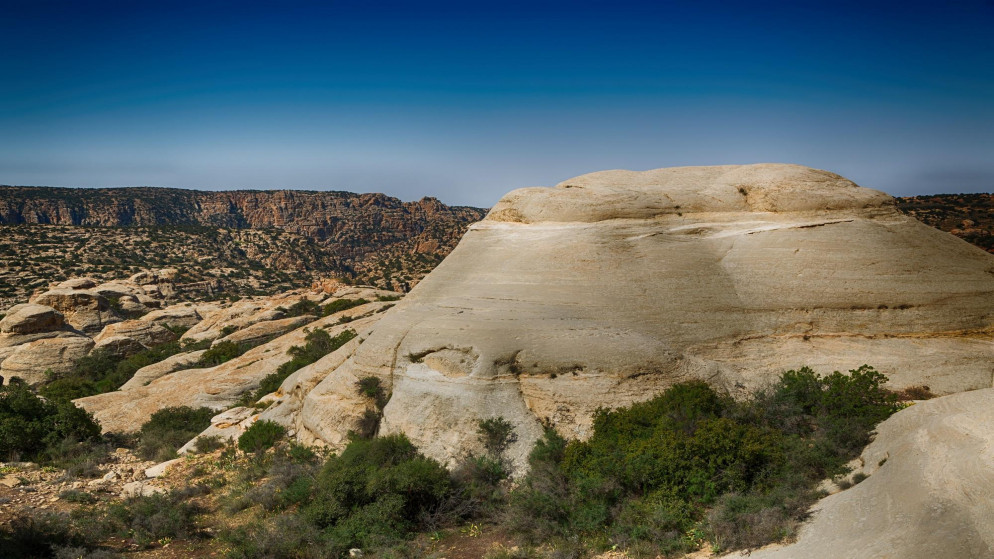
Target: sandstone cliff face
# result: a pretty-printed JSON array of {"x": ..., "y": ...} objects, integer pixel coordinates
[{"x": 612, "y": 286}]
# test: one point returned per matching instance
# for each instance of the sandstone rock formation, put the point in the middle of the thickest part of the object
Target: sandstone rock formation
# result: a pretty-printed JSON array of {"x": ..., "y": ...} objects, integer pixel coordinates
[
  {"x": 84, "y": 310},
  {"x": 30, "y": 361},
  {"x": 31, "y": 319},
  {"x": 614, "y": 285},
  {"x": 147, "y": 334},
  {"x": 177, "y": 362},
  {"x": 221, "y": 386},
  {"x": 930, "y": 492}
]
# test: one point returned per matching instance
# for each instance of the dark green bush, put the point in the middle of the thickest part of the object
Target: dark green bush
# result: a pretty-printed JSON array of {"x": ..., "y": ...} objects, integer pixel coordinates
[
  {"x": 39, "y": 535},
  {"x": 260, "y": 436},
  {"x": 31, "y": 426},
  {"x": 340, "y": 305},
  {"x": 222, "y": 352},
  {"x": 377, "y": 491},
  {"x": 692, "y": 458},
  {"x": 170, "y": 428},
  {"x": 372, "y": 387},
  {"x": 496, "y": 434},
  {"x": 302, "y": 307},
  {"x": 101, "y": 371}
]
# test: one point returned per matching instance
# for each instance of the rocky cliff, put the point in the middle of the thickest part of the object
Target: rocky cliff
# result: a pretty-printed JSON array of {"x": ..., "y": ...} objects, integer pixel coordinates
[{"x": 357, "y": 223}]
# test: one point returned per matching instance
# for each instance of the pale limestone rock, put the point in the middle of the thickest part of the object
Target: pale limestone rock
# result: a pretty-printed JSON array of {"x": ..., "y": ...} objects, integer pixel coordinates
[
  {"x": 140, "y": 489},
  {"x": 610, "y": 287},
  {"x": 228, "y": 425},
  {"x": 160, "y": 469},
  {"x": 930, "y": 492},
  {"x": 30, "y": 318},
  {"x": 177, "y": 362},
  {"x": 149, "y": 277},
  {"x": 147, "y": 334},
  {"x": 268, "y": 329},
  {"x": 30, "y": 361},
  {"x": 84, "y": 310}
]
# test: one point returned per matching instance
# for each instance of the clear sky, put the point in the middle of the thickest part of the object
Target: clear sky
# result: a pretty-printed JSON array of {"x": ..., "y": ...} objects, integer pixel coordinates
[{"x": 465, "y": 101}]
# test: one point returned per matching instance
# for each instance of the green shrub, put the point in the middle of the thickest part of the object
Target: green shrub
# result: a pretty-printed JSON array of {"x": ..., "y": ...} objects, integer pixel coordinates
[
  {"x": 37, "y": 535},
  {"x": 496, "y": 434},
  {"x": 377, "y": 491},
  {"x": 694, "y": 461},
  {"x": 260, "y": 436},
  {"x": 222, "y": 352},
  {"x": 31, "y": 426},
  {"x": 101, "y": 371},
  {"x": 169, "y": 429},
  {"x": 371, "y": 387},
  {"x": 209, "y": 443},
  {"x": 340, "y": 305},
  {"x": 148, "y": 519},
  {"x": 302, "y": 307}
]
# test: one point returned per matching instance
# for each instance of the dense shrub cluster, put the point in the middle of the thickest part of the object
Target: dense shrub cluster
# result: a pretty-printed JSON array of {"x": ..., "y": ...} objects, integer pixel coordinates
[
  {"x": 35, "y": 429},
  {"x": 693, "y": 461},
  {"x": 169, "y": 429},
  {"x": 318, "y": 343},
  {"x": 260, "y": 436},
  {"x": 101, "y": 371},
  {"x": 222, "y": 352}
]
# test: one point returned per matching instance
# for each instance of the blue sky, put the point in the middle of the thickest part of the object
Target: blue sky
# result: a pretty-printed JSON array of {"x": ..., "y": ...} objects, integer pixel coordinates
[{"x": 465, "y": 101}]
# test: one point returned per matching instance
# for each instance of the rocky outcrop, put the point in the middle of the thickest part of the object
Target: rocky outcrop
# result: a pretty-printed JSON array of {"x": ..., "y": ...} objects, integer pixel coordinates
[
  {"x": 612, "y": 286},
  {"x": 32, "y": 361},
  {"x": 930, "y": 491},
  {"x": 260, "y": 332},
  {"x": 185, "y": 315},
  {"x": 217, "y": 387},
  {"x": 31, "y": 319},
  {"x": 84, "y": 310},
  {"x": 147, "y": 334}
]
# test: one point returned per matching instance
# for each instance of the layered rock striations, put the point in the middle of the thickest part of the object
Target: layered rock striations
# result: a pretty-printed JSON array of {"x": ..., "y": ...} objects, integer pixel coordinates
[{"x": 612, "y": 286}]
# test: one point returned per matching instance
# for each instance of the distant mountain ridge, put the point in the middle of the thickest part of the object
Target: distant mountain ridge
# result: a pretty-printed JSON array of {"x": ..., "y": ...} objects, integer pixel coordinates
[
  {"x": 355, "y": 221},
  {"x": 367, "y": 238}
]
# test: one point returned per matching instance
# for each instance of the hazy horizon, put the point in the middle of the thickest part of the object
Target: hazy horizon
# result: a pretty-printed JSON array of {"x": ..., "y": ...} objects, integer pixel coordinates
[{"x": 464, "y": 102}]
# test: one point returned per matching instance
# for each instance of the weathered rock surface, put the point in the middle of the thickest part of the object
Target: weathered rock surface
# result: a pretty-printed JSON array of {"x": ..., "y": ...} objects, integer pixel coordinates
[
  {"x": 614, "y": 285},
  {"x": 31, "y": 319},
  {"x": 84, "y": 310},
  {"x": 30, "y": 361},
  {"x": 265, "y": 330},
  {"x": 235, "y": 317},
  {"x": 147, "y": 334},
  {"x": 930, "y": 492},
  {"x": 168, "y": 365},
  {"x": 184, "y": 315},
  {"x": 216, "y": 387}
]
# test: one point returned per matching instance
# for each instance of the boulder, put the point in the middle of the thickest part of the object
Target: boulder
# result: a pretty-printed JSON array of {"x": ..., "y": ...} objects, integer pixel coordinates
[
  {"x": 175, "y": 316},
  {"x": 119, "y": 346},
  {"x": 177, "y": 362},
  {"x": 84, "y": 310},
  {"x": 148, "y": 334},
  {"x": 239, "y": 315},
  {"x": 30, "y": 319},
  {"x": 930, "y": 490},
  {"x": 30, "y": 361},
  {"x": 610, "y": 287},
  {"x": 228, "y": 425}
]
